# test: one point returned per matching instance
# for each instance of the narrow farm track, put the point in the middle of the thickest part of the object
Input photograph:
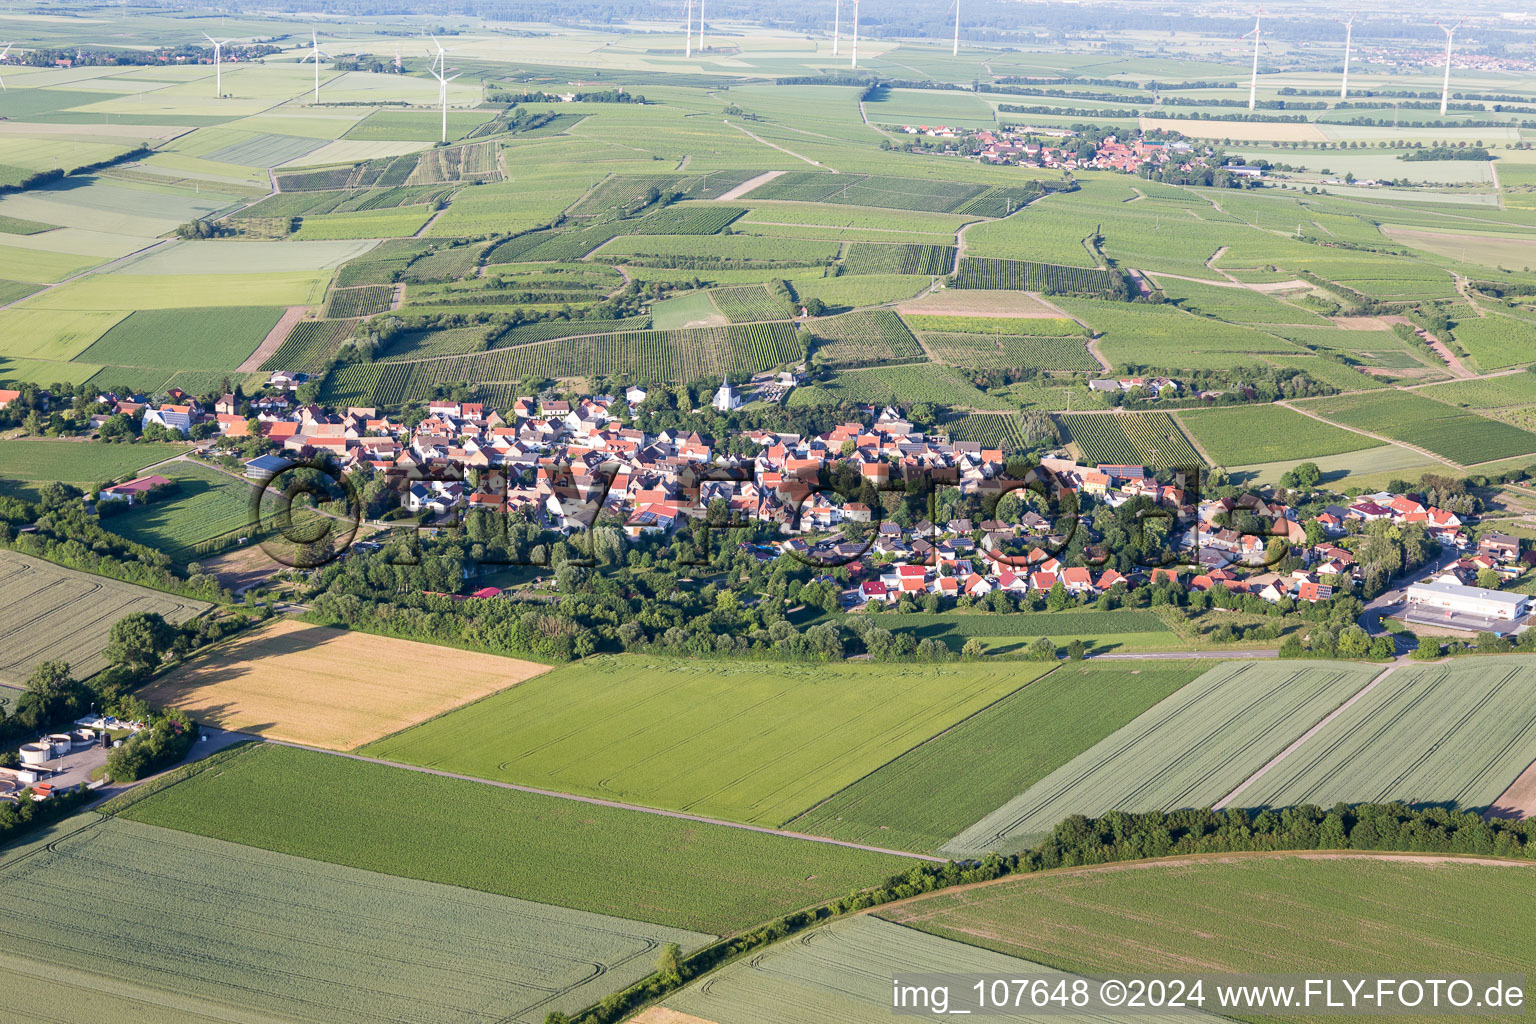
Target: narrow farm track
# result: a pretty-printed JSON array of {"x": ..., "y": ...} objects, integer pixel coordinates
[
  {"x": 87, "y": 273},
  {"x": 1288, "y": 751},
  {"x": 618, "y": 805},
  {"x": 749, "y": 185}
]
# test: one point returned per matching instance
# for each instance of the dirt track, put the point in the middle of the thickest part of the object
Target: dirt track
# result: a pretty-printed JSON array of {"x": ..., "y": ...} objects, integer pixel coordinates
[{"x": 274, "y": 339}]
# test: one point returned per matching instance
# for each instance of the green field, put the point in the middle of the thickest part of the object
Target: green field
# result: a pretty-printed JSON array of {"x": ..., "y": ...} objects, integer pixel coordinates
[
  {"x": 842, "y": 972},
  {"x": 293, "y": 939},
  {"x": 933, "y": 791},
  {"x": 1188, "y": 751},
  {"x": 659, "y": 732},
  {"x": 206, "y": 504},
  {"x": 646, "y": 867},
  {"x": 35, "y": 460},
  {"x": 52, "y": 613},
  {"x": 199, "y": 339},
  {"x": 911, "y": 382},
  {"x": 1151, "y": 439},
  {"x": 1269, "y": 914},
  {"x": 1449, "y": 432},
  {"x": 1267, "y": 433},
  {"x": 1456, "y": 734}
]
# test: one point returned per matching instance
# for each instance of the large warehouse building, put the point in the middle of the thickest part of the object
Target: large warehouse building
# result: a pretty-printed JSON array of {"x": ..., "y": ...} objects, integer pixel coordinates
[{"x": 1471, "y": 608}]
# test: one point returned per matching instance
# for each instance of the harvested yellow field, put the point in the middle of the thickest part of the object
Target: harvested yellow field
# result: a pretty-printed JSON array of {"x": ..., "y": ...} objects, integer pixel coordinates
[
  {"x": 1238, "y": 131},
  {"x": 329, "y": 687}
]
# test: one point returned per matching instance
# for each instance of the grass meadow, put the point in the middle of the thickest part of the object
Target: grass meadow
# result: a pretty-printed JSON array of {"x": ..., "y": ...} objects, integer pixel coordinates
[
  {"x": 749, "y": 742},
  {"x": 935, "y": 790},
  {"x": 1267, "y": 433},
  {"x": 647, "y": 867}
]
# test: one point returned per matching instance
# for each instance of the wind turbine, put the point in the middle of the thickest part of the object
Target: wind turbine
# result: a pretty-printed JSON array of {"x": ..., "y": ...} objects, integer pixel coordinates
[
  {"x": 2, "y": 57},
  {"x": 218, "y": 74},
  {"x": 315, "y": 54},
  {"x": 837, "y": 23},
  {"x": 1349, "y": 31},
  {"x": 442, "y": 95},
  {"x": 688, "y": 29},
  {"x": 441, "y": 57},
  {"x": 956, "y": 51},
  {"x": 1253, "y": 84},
  {"x": 855, "y": 62},
  {"x": 1445, "y": 90},
  {"x": 701, "y": 26}
]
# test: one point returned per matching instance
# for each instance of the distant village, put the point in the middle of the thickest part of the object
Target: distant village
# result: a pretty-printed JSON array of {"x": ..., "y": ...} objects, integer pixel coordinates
[
  {"x": 1022, "y": 146},
  {"x": 563, "y": 463}
]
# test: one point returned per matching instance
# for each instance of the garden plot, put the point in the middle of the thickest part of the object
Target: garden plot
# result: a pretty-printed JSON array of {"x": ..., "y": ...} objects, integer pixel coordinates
[{"x": 1190, "y": 750}]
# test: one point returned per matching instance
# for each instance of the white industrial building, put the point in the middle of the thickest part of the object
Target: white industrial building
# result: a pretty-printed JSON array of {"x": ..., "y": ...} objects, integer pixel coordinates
[{"x": 1459, "y": 607}]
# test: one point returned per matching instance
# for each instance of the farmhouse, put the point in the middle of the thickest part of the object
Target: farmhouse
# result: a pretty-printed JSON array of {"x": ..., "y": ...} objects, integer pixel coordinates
[
  {"x": 134, "y": 491},
  {"x": 1469, "y": 608}
]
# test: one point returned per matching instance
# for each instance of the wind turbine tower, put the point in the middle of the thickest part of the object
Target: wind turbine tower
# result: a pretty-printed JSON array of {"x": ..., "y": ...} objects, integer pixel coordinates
[
  {"x": 956, "y": 51},
  {"x": 315, "y": 54},
  {"x": 1445, "y": 89},
  {"x": 1349, "y": 31},
  {"x": 2, "y": 58},
  {"x": 701, "y": 26},
  {"x": 1253, "y": 83},
  {"x": 837, "y": 23},
  {"x": 855, "y": 62},
  {"x": 688, "y": 29},
  {"x": 218, "y": 71},
  {"x": 442, "y": 94}
]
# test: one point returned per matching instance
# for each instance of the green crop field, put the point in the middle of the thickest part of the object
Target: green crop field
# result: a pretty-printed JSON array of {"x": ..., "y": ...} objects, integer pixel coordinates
[
  {"x": 310, "y": 345},
  {"x": 1496, "y": 341},
  {"x": 203, "y": 338},
  {"x": 1449, "y": 432},
  {"x": 1267, "y": 433},
  {"x": 52, "y": 613},
  {"x": 348, "y": 946},
  {"x": 747, "y": 303},
  {"x": 414, "y": 126},
  {"x": 910, "y": 382},
  {"x": 875, "y": 258},
  {"x": 842, "y": 293},
  {"x": 1150, "y": 439},
  {"x": 668, "y": 871},
  {"x": 1003, "y": 430},
  {"x": 1489, "y": 393},
  {"x": 84, "y": 464},
  {"x": 863, "y": 338},
  {"x": 1455, "y": 734},
  {"x": 207, "y": 504},
  {"x": 1188, "y": 751},
  {"x": 1050, "y": 278},
  {"x": 1006, "y": 352},
  {"x": 1259, "y": 914},
  {"x": 1034, "y": 327},
  {"x": 842, "y": 972},
  {"x": 791, "y": 734},
  {"x": 935, "y": 790}
]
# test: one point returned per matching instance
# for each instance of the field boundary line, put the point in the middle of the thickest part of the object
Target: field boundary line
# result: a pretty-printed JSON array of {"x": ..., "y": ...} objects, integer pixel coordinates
[
  {"x": 1194, "y": 442},
  {"x": 781, "y": 149},
  {"x": 1335, "y": 713},
  {"x": 616, "y": 804},
  {"x": 916, "y": 746}
]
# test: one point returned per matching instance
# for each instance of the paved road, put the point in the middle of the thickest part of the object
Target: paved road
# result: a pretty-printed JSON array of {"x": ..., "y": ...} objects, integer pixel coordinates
[{"x": 1396, "y": 596}]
